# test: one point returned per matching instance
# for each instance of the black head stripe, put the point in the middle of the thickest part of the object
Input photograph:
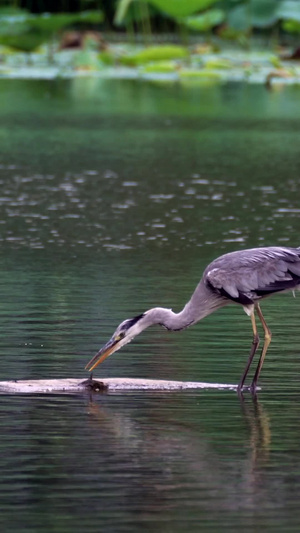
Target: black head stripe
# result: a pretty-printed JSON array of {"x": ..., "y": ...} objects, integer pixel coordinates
[{"x": 131, "y": 321}]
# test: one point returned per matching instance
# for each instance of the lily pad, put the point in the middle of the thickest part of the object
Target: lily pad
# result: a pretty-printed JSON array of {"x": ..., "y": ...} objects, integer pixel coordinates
[
  {"x": 155, "y": 53},
  {"x": 162, "y": 67},
  {"x": 291, "y": 26},
  {"x": 218, "y": 63},
  {"x": 206, "y": 73},
  {"x": 173, "y": 8},
  {"x": 205, "y": 22},
  {"x": 87, "y": 60}
]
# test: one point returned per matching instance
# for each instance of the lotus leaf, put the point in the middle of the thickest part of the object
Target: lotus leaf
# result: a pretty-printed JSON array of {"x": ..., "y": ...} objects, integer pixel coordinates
[
  {"x": 194, "y": 78},
  {"x": 155, "y": 53},
  {"x": 25, "y": 42},
  {"x": 218, "y": 63},
  {"x": 106, "y": 58},
  {"x": 205, "y": 73},
  {"x": 52, "y": 23},
  {"x": 173, "y": 8},
  {"x": 257, "y": 13},
  {"x": 204, "y": 22},
  {"x": 289, "y": 10},
  {"x": 87, "y": 60},
  {"x": 182, "y": 8},
  {"x": 26, "y": 32},
  {"x": 291, "y": 26},
  {"x": 161, "y": 67}
]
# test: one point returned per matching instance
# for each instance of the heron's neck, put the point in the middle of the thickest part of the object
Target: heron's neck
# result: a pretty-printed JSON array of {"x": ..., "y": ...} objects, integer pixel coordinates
[{"x": 197, "y": 308}]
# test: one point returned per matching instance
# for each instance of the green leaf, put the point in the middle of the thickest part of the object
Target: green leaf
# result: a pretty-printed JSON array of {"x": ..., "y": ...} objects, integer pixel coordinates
[
  {"x": 54, "y": 22},
  {"x": 231, "y": 34},
  {"x": 194, "y": 78},
  {"x": 12, "y": 12},
  {"x": 13, "y": 21},
  {"x": 218, "y": 63},
  {"x": 155, "y": 53},
  {"x": 23, "y": 31},
  {"x": 173, "y": 8},
  {"x": 87, "y": 60},
  {"x": 189, "y": 73},
  {"x": 107, "y": 58},
  {"x": 204, "y": 22},
  {"x": 181, "y": 8},
  {"x": 291, "y": 26},
  {"x": 27, "y": 42},
  {"x": 90, "y": 17},
  {"x": 255, "y": 13},
  {"x": 289, "y": 10},
  {"x": 161, "y": 67},
  {"x": 239, "y": 18},
  {"x": 263, "y": 13},
  {"x": 121, "y": 11}
]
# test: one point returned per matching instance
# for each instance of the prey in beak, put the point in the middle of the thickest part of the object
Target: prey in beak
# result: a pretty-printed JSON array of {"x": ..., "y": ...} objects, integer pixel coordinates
[{"x": 124, "y": 333}]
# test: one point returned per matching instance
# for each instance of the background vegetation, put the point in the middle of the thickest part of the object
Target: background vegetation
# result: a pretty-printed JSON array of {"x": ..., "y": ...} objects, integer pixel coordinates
[
  {"x": 93, "y": 26},
  {"x": 229, "y": 19}
]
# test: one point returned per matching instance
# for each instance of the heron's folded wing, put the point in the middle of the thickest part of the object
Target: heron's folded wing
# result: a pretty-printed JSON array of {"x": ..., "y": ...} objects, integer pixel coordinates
[{"x": 242, "y": 281}]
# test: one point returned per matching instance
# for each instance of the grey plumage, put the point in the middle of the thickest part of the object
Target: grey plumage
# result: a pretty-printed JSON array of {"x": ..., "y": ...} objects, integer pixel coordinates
[
  {"x": 243, "y": 277},
  {"x": 249, "y": 275}
]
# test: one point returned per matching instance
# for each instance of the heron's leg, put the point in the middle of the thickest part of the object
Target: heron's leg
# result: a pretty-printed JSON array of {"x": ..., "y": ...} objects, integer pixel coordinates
[
  {"x": 267, "y": 341},
  {"x": 254, "y": 347}
]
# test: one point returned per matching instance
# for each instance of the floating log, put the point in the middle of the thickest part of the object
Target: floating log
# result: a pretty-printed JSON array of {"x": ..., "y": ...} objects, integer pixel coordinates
[{"x": 72, "y": 385}]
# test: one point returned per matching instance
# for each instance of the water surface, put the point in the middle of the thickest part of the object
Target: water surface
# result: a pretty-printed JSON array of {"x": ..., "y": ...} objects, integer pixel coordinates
[{"x": 114, "y": 197}]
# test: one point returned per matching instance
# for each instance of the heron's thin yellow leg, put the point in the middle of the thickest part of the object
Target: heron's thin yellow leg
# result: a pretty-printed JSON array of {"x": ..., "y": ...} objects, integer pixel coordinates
[
  {"x": 267, "y": 341},
  {"x": 254, "y": 347}
]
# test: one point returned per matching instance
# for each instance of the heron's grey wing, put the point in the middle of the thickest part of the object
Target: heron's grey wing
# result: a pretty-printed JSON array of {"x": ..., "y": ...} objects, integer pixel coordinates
[
  {"x": 247, "y": 275},
  {"x": 230, "y": 284}
]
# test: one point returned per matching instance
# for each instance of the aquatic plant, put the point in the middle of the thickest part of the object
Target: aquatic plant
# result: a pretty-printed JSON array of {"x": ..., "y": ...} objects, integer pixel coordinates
[
  {"x": 204, "y": 22},
  {"x": 155, "y": 53},
  {"x": 173, "y": 8},
  {"x": 25, "y": 32}
]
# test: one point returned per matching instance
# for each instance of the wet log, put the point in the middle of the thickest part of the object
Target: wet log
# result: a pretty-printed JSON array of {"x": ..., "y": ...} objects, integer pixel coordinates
[{"x": 72, "y": 385}]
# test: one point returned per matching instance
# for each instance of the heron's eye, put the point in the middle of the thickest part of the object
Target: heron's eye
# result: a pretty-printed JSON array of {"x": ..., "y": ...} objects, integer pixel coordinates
[{"x": 120, "y": 336}]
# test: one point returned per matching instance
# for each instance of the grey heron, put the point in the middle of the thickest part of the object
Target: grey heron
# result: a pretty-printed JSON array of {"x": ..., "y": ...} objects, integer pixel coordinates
[{"x": 243, "y": 277}]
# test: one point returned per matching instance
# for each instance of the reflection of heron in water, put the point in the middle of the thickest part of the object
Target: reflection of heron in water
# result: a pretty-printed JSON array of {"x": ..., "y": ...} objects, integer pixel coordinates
[
  {"x": 258, "y": 422},
  {"x": 243, "y": 277}
]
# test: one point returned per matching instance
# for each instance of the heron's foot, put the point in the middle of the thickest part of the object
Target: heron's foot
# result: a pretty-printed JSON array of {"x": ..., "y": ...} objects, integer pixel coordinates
[
  {"x": 247, "y": 388},
  {"x": 253, "y": 388}
]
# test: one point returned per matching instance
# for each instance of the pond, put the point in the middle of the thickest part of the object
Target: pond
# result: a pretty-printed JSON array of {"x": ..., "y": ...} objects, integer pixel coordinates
[{"x": 114, "y": 197}]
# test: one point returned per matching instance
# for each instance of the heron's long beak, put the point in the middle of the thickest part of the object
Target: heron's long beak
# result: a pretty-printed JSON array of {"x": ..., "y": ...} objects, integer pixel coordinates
[{"x": 110, "y": 347}]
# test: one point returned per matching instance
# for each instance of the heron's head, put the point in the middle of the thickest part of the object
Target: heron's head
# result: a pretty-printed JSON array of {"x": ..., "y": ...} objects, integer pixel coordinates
[{"x": 124, "y": 333}]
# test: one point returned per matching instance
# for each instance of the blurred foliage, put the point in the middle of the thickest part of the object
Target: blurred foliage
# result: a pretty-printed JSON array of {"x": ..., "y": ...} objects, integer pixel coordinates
[
  {"x": 218, "y": 63},
  {"x": 172, "y": 8},
  {"x": 262, "y": 14},
  {"x": 107, "y": 58},
  {"x": 257, "y": 13},
  {"x": 180, "y": 8},
  {"x": 87, "y": 48},
  {"x": 194, "y": 78},
  {"x": 291, "y": 26},
  {"x": 87, "y": 60},
  {"x": 160, "y": 67},
  {"x": 27, "y": 28},
  {"x": 289, "y": 9},
  {"x": 205, "y": 22},
  {"x": 235, "y": 19},
  {"x": 25, "y": 32},
  {"x": 155, "y": 53}
]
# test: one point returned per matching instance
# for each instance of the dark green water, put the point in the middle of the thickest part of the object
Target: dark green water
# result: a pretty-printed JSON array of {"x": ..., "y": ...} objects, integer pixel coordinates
[{"x": 114, "y": 197}]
